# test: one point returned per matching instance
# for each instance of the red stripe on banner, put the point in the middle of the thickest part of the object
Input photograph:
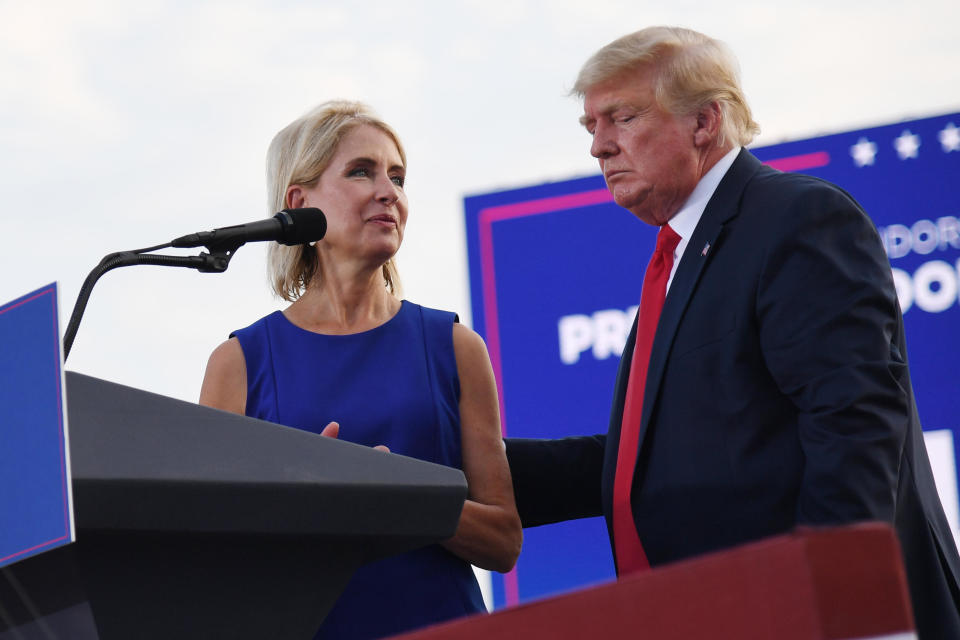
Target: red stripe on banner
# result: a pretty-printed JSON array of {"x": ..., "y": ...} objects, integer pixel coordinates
[
  {"x": 801, "y": 162},
  {"x": 486, "y": 219},
  {"x": 35, "y": 547},
  {"x": 39, "y": 294}
]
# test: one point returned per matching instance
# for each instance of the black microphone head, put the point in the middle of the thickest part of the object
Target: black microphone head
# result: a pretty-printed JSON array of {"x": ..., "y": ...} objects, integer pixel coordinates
[{"x": 301, "y": 226}]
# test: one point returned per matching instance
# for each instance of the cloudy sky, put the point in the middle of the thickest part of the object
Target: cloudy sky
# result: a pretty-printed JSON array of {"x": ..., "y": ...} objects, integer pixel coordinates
[{"x": 126, "y": 124}]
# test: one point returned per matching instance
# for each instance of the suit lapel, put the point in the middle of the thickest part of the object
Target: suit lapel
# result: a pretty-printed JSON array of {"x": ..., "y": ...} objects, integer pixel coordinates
[{"x": 704, "y": 243}]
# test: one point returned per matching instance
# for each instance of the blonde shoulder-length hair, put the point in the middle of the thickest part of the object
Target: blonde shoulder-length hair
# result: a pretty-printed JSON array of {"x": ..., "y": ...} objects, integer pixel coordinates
[{"x": 298, "y": 155}]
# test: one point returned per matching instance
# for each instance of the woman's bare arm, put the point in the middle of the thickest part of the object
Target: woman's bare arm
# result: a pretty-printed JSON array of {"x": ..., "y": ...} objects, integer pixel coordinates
[
  {"x": 225, "y": 380},
  {"x": 489, "y": 534}
]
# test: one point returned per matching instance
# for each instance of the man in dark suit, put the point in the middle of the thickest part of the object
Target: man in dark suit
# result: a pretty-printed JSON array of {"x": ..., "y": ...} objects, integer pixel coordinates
[{"x": 773, "y": 391}]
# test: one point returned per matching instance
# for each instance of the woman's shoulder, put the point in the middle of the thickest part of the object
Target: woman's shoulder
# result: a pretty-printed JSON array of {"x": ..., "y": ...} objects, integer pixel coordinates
[
  {"x": 466, "y": 343},
  {"x": 257, "y": 327},
  {"x": 431, "y": 314},
  {"x": 428, "y": 310}
]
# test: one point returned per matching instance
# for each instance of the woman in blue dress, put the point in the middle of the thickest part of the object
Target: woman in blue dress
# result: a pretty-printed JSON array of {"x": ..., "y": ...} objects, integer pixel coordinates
[{"x": 348, "y": 358}]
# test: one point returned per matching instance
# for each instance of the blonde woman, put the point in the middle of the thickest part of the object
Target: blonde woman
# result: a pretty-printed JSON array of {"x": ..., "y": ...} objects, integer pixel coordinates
[{"x": 349, "y": 356}]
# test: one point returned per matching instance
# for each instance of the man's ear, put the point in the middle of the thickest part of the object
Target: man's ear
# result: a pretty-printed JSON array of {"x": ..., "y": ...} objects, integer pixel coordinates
[
  {"x": 295, "y": 196},
  {"x": 709, "y": 121}
]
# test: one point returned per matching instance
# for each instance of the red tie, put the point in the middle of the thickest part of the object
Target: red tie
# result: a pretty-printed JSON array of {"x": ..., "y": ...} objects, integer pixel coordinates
[{"x": 627, "y": 547}]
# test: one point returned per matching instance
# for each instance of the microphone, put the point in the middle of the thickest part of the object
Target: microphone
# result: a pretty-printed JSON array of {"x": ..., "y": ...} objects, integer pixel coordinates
[{"x": 290, "y": 227}]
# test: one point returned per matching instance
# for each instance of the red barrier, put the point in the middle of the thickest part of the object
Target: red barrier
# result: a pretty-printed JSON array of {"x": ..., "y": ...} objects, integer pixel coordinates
[{"x": 828, "y": 584}]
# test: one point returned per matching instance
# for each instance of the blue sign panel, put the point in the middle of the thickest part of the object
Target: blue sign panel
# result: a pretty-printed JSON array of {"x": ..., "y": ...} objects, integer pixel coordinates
[
  {"x": 555, "y": 277},
  {"x": 35, "y": 496},
  {"x": 907, "y": 177}
]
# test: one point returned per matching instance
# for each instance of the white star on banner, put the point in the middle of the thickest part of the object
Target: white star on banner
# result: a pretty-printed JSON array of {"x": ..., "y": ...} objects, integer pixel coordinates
[
  {"x": 863, "y": 152},
  {"x": 949, "y": 138},
  {"x": 907, "y": 145}
]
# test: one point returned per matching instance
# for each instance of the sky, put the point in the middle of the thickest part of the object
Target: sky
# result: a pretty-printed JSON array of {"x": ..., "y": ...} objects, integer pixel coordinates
[{"x": 126, "y": 124}]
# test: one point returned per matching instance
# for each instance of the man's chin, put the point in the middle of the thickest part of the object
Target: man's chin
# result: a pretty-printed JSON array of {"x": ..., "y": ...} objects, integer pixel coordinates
[
  {"x": 644, "y": 212},
  {"x": 626, "y": 199},
  {"x": 652, "y": 218},
  {"x": 635, "y": 205}
]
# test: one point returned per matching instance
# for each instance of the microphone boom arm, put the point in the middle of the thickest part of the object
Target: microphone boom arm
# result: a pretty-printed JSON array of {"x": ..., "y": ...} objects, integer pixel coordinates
[
  {"x": 215, "y": 262},
  {"x": 288, "y": 227}
]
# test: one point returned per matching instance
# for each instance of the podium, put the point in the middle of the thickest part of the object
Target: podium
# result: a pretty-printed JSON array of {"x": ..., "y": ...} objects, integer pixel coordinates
[
  {"x": 830, "y": 584},
  {"x": 198, "y": 523}
]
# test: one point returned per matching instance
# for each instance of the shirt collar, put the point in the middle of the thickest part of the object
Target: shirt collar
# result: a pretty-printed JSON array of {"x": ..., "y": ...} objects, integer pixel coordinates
[{"x": 685, "y": 221}]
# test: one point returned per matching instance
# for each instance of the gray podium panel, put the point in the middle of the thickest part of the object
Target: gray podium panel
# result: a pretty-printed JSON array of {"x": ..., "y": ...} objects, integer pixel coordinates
[{"x": 197, "y": 523}]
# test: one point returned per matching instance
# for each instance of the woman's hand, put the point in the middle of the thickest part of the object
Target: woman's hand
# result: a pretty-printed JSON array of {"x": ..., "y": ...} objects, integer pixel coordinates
[{"x": 332, "y": 430}]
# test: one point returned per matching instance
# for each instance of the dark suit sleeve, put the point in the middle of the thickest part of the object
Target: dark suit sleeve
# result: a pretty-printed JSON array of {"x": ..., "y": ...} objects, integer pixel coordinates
[
  {"x": 556, "y": 480},
  {"x": 829, "y": 320}
]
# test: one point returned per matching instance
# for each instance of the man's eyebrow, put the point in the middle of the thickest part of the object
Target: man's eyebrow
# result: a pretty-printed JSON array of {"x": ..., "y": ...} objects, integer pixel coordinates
[{"x": 607, "y": 110}]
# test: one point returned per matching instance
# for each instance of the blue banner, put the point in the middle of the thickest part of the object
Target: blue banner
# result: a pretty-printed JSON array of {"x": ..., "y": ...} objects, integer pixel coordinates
[{"x": 35, "y": 492}]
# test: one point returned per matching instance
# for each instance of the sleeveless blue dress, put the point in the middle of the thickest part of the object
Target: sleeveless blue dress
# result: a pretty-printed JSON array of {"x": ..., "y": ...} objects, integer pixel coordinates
[{"x": 396, "y": 385}]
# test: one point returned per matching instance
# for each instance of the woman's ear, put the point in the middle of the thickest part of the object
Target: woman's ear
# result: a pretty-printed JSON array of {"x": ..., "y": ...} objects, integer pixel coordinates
[{"x": 295, "y": 196}]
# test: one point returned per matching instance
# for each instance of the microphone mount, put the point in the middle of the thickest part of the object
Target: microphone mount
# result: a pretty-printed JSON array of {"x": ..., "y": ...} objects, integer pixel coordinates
[
  {"x": 289, "y": 227},
  {"x": 216, "y": 261}
]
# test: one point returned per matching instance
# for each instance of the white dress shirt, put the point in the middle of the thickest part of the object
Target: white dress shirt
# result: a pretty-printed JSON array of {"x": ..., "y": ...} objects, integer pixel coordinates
[{"x": 686, "y": 220}]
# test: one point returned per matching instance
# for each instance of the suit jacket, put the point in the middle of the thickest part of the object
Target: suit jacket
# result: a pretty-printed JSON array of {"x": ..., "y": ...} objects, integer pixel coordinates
[{"x": 778, "y": 395}]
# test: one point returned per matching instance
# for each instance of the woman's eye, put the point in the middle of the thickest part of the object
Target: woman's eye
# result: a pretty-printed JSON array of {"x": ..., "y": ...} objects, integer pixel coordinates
[
  {"x": 397, "y": 180},
  {"x": 359, "y": 172}
]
